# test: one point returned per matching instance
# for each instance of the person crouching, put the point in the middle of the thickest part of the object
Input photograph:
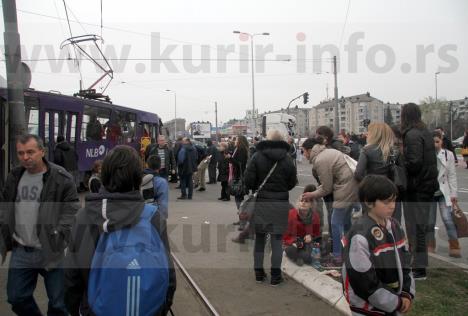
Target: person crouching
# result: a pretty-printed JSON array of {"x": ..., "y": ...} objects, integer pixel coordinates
[{"x": 303, "y": 228}]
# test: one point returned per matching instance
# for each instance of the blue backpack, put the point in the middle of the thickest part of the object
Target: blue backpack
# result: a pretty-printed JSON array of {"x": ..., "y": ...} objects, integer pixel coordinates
[{"x": 129, "y": 273}]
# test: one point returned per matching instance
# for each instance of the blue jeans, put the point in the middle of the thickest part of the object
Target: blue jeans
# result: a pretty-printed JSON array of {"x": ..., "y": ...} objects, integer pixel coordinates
[
  {"x": 340, "y": 223},
  {"x": 186, "y": 182},
  {"x": 25, "y": 266},
  {"x": 445, "y": 214}
]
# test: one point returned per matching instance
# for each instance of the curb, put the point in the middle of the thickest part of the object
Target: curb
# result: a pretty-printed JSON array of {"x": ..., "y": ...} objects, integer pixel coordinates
[
  {"x": 460, "y": 265},
  {"x": 324, "y": 287}
]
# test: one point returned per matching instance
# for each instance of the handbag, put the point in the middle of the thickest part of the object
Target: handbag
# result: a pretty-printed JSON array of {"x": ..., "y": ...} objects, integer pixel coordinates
[
  {"x": 397, "y": 174},
  {"x": 464, "y": 151},
  {"x": 460, "y": 221},
  {"x": 247, "y": 207},
  {"x": 236, "y": 186}
]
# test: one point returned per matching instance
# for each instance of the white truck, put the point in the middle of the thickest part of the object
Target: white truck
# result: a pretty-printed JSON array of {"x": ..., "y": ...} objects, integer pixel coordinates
[{"x": 284, "y": 123}]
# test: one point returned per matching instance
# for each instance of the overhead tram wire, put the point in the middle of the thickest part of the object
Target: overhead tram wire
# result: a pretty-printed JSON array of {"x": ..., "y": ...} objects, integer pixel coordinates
[
  {"x": 149, "y": 35},
  {"x": 60, "y": 23},
  {"x": 71, "y": 35},
  {"x": 344, "y": 25}
]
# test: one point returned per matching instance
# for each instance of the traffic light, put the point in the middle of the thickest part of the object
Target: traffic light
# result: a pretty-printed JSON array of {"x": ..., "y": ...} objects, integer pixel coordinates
[{"x": 306, "y": 97}]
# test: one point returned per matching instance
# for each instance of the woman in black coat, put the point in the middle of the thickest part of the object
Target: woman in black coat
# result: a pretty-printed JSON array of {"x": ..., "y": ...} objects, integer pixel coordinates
[
  {"x": 272, "y": 207},
  {"x": 421, "y": 165},
  {"x": 238, "y": 159}
]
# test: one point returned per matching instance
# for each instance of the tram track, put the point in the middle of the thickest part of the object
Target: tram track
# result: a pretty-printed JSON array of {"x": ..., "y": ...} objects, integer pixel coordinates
[{"x": 195, "y": 289}]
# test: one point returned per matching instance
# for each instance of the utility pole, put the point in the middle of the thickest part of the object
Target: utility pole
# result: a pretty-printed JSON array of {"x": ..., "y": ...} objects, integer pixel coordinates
[
  {"x": 337, "y": 108},
  {"x": 16, "y": 122},
  {"x": 216, "y": 121}
]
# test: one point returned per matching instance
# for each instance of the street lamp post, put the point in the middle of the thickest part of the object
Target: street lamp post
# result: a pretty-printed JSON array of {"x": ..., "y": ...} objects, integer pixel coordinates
[
  {"x": 175, "y": 112},
  {"x": 435, "y": 75},
  {"x": 251, "y": 36}
]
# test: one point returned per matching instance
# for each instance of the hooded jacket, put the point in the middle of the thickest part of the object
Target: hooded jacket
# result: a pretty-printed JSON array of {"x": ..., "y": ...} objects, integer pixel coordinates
[
  {"x": 59, "y": 203},
  {"x": 123, "y": 210},
  {"x": 334, "y": 175},
  {"x": 272, "y": 207},
  {"x": 65, "y": 156}
]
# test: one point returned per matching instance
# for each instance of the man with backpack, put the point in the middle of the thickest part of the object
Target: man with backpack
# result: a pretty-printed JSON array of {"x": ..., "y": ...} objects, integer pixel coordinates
[
  {"x": 154, "y": 188},
  {"x": 119, "y": 257}
]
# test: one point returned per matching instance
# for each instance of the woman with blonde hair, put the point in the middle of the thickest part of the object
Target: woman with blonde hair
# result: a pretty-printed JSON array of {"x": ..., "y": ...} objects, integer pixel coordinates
[{"x": 378, "y": 155}]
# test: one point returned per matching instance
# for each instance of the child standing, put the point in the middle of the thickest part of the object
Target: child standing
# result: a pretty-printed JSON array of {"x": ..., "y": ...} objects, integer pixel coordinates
[
  {"x": 154, "y": 188},
  {"x": 377, "y": 278},
  {"x": 94, "y": 183}
]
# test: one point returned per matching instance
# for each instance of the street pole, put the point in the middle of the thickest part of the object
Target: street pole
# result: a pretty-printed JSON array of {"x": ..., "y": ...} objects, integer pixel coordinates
[
  {"x": 216, "y": 121},
  {"x": 435, "y": 75},
  {"x": 253, "y": 74},
  {"x": 253, "y": 86},
  {"x": 175, "y": 115},
  {"x": 451, "y": 119},
  {"x": 16, "y": 121},
  {"x": 337, "y": 109}
]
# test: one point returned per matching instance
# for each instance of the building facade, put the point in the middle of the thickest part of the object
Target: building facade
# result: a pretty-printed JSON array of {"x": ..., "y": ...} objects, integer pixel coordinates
[{"x": 352, "y": 113}]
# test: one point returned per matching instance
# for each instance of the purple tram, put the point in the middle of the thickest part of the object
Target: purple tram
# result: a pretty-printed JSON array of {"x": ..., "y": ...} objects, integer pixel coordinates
[{"x": 93, "y": 127}]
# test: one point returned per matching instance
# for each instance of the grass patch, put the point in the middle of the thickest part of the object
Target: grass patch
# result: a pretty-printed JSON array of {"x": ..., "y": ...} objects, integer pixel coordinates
[{"x": 445, "y": 292}]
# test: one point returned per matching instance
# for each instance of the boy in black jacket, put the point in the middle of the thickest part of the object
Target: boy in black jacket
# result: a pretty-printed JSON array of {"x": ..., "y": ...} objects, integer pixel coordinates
[
  {"x": 121, "y": 203},
  {"x": 377, "y": 278}
]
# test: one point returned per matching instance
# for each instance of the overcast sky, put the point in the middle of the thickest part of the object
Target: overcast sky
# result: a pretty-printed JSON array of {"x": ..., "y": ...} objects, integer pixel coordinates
[{"x": 389, "y": 33}]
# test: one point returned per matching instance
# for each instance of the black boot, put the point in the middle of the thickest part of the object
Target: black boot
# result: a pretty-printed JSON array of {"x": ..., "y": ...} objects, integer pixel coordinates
[
  {"x": 260, "y": 275},
  {"x": 276, "y": 277}
]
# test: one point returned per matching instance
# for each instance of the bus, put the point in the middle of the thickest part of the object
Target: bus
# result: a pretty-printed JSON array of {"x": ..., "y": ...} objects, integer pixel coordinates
[{"x": 92, "y": 127}]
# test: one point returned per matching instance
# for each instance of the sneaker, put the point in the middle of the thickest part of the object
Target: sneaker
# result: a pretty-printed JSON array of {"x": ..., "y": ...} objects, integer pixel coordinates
[
  {"x": 276, "y": 281},
  {"x": 182, "y": 197},
  {"x": 419, "y": 274},
  {"x": 201, "y": 190}
]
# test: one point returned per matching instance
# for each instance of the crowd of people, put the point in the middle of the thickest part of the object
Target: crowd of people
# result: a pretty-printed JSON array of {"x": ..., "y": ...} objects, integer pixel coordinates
[{"x": 364, "y": 186}]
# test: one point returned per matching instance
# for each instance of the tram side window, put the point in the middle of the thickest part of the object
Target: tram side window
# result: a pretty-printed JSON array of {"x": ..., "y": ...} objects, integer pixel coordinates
[
  {"x": 93, "y": 123},
  {"x": 73, "y": 128},
  {"x": 46, "y": 127},
  {"x": 56, "y": 127},
  {"x": 32, "y": 118},
  {"x": 128, "y": 123}
]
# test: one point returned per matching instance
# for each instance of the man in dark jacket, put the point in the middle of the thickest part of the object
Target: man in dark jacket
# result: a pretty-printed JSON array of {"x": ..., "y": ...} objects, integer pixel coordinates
[
  {"x": 187, "y": 162},
  {"x": 213, "y": 152},
  {"x": 272, "y": 207},
  {"x": 66, "y": 157},
  {"x": 168, "y": 164},
  {"x": 123, "y": 203},
  {"x": 41, "y": 203},
  {"x": 421, "y": 165}
]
